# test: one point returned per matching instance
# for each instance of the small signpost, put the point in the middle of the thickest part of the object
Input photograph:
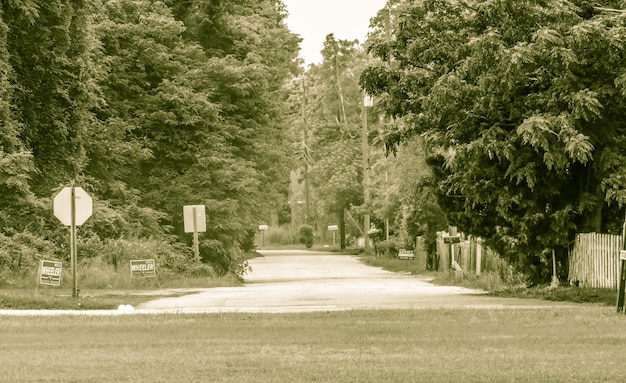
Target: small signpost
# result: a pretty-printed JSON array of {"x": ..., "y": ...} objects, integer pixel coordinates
[
  {"x": 334, "y": 229},
  {"x": 405, "y": 254},
  {"x": 195, "y": 222},
  {"x": 73, "y": 206},
  {"x": 262, "y": 228},
  {"x": 142, "y": 268},
  {"x": 49, "y": 273}
]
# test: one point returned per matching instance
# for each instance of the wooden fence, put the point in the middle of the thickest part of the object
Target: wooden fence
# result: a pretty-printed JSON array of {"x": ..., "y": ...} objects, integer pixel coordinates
[
  {"x": 594, "y": 260},
  {"x": 469, "y": 255}
]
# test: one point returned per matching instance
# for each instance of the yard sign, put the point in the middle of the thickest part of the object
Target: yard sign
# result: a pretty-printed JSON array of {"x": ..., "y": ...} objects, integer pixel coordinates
[
  {"x": 142, "y": 268},
  {"x": 49, "y": 273}
]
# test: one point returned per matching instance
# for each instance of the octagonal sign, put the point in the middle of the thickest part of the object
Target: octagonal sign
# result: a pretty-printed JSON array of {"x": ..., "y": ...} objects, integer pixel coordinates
[{"x": 63, "y": 206}]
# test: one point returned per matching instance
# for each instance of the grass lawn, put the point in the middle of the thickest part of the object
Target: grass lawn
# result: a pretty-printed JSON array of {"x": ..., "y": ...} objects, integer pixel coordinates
[
  {"x": 548, "y": 345},
  {"x": 46, "y": 297}
]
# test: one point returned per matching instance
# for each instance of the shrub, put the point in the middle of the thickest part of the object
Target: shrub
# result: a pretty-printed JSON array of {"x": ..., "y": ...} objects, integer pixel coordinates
[
  {"x": 305, "y": 235},
  {"x": 20, "y": 255},
  {"x": 389, "y": 247}
]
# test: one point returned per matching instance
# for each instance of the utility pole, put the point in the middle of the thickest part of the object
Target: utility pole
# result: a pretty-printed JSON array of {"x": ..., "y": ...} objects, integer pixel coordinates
[
  {"x": 306, "y": 154},
  {"x": 367, "y": 101}
]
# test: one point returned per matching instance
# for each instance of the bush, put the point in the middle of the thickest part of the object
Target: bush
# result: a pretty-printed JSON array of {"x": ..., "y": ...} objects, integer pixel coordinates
[
  {"x": 305, "y": 235},
  {"x": 20, "y": 255},
  {"x": 390, "y": 247}
]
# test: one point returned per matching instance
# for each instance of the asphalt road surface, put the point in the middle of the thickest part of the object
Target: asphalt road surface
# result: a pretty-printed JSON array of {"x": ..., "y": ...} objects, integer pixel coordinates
[{"x": 301, "y": 281}]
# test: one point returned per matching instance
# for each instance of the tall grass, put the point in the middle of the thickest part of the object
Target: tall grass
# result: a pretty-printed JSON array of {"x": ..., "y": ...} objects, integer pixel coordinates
[
  {"x": 283, "y": 235},
  {"x": 106, "y": 265}
]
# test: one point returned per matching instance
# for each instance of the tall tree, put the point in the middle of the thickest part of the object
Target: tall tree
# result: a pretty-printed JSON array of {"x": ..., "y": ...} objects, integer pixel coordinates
[
  {"x": 16, "y": 163},
  {"x": 47, "y": 42},
  {"x": 520, "y": 105},
  {"x": 334, "y": 109},
  {"x": 197, "y": 90}
]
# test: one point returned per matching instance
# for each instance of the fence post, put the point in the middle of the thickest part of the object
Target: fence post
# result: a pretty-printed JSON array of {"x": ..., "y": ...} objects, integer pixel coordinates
[
  {"x": 479, "y": 253},
  {"x": 622, "y": 275}
]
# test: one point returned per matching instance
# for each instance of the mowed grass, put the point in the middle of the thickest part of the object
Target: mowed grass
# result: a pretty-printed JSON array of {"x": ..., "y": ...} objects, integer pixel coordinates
[{"x": 585, "y": 344}]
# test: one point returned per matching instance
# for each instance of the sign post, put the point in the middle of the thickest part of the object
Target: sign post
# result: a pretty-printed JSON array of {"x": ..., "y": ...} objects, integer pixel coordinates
[
  {"x": 262, "y": 228},
  {"x": 195, "y": 222},
  {"x": 334, "y": 229},
  {"x": 73, "y": 206}
]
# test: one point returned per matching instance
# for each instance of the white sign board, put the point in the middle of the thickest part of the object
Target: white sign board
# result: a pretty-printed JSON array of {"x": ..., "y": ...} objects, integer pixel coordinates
[
  {"x": 142, "y": 268},
  {"x": 333, "y": 227},
  {"x": 49, "y": 273},
  {"x": 199, "y": 218},
  {"x": 63, "y": 206},
  {"x": 405, "y": 254},
  {"x": 263, "y": 227}
]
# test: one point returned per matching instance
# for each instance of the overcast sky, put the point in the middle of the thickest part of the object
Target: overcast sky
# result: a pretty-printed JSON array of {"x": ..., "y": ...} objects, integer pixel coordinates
[{"x": 314, "y": 19}]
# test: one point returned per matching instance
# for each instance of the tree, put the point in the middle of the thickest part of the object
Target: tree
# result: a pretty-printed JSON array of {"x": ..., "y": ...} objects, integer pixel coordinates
[
  {"x": 519, "y": 104},
  {"x": 334, "y": 106},
  {"x": 200, "y": 102},
  {"x": 46, "y": 43},
  {"x": 16, "y": 163}
]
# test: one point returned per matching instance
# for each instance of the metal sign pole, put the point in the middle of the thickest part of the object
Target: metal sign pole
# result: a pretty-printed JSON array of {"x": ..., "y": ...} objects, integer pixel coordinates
[
  {"x": 73, "y": 246},
  {"x": 622, "y": 274},
  {"x": 196, "y": 246}
]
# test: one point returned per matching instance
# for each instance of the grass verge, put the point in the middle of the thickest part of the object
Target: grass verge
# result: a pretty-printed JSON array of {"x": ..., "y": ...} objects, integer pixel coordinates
[
  {"x": 494, "y": 285},
  {"x": 459, "y": 345},
  {"x": 46, "y": 298}
]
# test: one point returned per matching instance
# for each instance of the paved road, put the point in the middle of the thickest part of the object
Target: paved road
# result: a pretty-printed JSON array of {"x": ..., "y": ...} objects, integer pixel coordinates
[{"x": 300, "y": 281}]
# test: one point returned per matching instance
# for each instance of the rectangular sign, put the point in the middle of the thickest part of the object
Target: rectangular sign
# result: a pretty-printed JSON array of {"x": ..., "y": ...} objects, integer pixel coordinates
[
  {"x": 405, "y": 254},
  {"x": 263, "y": 227},
  {"x": 49, "y": 273},
  {"x": 142, "y": 268},
  {"x": 333, "y": 227},
  {"x": 452, "y": 239},
  {"x": 194, "y": 218}
]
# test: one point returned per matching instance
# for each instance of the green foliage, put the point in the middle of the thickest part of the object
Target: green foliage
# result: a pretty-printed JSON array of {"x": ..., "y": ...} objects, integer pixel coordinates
[
  {"x": 520, "y": 107},
  {"x": 305, "y": 235},
  {"x": 389, "y": 247},
  {"x": 20, "y": 255},
  {"x": 149, "y": 108},
  {"x": 47, "y": 45}
]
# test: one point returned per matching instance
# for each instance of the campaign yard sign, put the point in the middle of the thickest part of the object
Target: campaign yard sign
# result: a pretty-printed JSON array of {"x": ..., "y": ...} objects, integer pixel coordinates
[
  {"x": 142, "y": 268},
  {"x": 406, "y": 254},
  {"x": 49, "y": 273}
]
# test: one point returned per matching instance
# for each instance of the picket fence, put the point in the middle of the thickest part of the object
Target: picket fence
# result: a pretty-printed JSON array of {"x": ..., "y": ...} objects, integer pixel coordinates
[{"x": 594, "y": 260}]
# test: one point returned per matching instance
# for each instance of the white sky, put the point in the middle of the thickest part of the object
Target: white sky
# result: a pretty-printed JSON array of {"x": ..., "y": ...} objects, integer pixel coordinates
[{"x": 314, "y": 19}]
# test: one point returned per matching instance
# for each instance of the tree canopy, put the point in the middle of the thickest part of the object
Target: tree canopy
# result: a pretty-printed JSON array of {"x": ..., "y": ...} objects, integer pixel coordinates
[
  {"x": 149, "y": 105},
  {"x": 520, "y": 104}
]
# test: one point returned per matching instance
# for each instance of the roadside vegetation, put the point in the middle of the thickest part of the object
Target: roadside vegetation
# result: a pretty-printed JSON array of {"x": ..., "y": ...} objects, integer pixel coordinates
[{"x": 503, "y": 283}]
